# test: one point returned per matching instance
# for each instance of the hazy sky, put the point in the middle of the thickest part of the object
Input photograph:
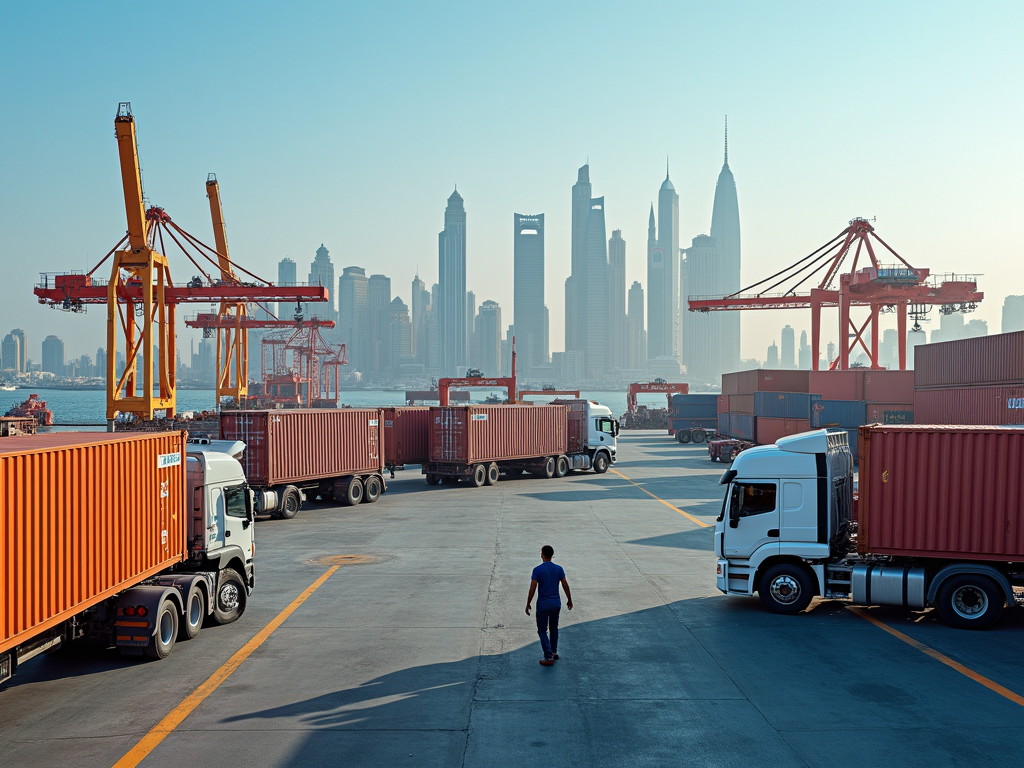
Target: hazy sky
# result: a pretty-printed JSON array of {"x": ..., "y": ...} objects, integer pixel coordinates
[{"x": 350, "y": 123}]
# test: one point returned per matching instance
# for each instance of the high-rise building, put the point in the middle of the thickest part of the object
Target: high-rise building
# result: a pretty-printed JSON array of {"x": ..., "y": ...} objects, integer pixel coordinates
[
  {"x": 10, "y": 353},
  {"x": 101, "y": 361},
  {"x": 1013, "y": 314},
  {"x": 488, "y": 331},
  {"x": 399, "y": 334},
  {"x": 636, "y": 336},
  {"x": 575, "y": 319},
  {"x": 888, "y": 353},
  {"x": 725, "y": 228},
  {"x": 664, "y": 332},
  {"x": 53, "y": 355},
  {"x": 420, "y": 302},
  {"x": 529, "y": 314},
  {"x": 286, "y": 275},
  {"x": 700, "y": 275},
  {"x": 617, "y": 301},
  {"x": 803, "y": 355},
  {"x": 452, "y": 326},
  {"x": 594, "y": 332},
  {"x": 321, "y": 272},
  {"x": 787, "y": 357},
  {"x": 379, "y": 308},
  {"x": 354, "y": 315},
  {"x": 772, "y": 360},
  {"x": 23, "y": 354}
]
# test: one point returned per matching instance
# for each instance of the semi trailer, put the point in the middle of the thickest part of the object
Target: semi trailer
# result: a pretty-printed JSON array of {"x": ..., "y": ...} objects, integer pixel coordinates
[
  {"x": 939, "y": 521},
  {"x": 480, "y": 443},
  {"x": 292, "y": 455},
  {"x": 134, "y": 540}
]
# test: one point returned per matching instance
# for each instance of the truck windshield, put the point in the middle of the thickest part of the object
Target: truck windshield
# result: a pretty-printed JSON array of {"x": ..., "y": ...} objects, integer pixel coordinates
[
  {"x": 753, "y": 498},
  {"x": 606, "y": 425}
]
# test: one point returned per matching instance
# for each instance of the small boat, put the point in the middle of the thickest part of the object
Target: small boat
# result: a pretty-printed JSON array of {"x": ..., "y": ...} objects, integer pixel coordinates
[
  {"x": 7, "y": 387},
  {"x": 33, "y": 408}
]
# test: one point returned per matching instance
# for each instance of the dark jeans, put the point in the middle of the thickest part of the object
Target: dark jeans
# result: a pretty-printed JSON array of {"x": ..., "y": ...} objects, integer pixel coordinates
[{"x": 547, "y": 621}]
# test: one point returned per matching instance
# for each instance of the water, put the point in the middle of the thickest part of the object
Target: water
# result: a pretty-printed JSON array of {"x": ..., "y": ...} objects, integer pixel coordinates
[{"x": 75, "y": 406}]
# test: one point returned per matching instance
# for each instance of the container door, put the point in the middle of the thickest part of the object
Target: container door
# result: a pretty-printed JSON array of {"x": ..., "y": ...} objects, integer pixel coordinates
[{"x": 753, "y": 517}]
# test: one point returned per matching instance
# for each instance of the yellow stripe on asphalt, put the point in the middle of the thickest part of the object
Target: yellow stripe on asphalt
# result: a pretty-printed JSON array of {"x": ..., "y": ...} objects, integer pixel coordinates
[
  {"x": 687, "y": 515},
  {"x": 1006, "y": 693},
  {"x": 161, "y": 730}
]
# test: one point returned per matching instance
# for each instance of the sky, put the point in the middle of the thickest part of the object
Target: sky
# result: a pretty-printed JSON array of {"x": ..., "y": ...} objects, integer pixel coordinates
[{"x": 349, "y": 124}]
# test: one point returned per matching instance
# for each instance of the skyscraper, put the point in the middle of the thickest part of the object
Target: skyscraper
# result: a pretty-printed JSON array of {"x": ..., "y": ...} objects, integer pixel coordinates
[
  {"x": 321, "y": 272},
  {"x": 664, "y": 332},
  {"x": 594, "y": 331},
  {"x": 488, "y": 331},
  {"x": 354, "y": 315},
  {"x": 420, "y": 302},
  {"x": 378, "y": 299},
  {"x": 10, "y": 353},
  {"x": 636, "y": 336},
  {"x": 701, "y": 270},
  {"x": 529, "y": 314},
  {"x": 616, "y": 301},
  {"x": 787, "y": 355},
  {"x": 1013, "y": 314},
  {"x": 53, "y": 355},
  {"x": 773, "y": 357},
  {"x": 399, "y": 335},
  {"x": 574, "y": 286},
  {"x": 725, "y": 228},
  {"x": 286, "y": 275},
  {"x": 453, "y": 339},
  {"x": 803, "y": 355}
]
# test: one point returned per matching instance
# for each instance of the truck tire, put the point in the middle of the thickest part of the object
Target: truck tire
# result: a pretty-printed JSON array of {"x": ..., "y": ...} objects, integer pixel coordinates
[
  {"x": 372, "y": 489},
  {"x": 479, "y": 475},
  {"x": 785, "y": 588},
  {"x": 550, "y": 466},
  {"x": 733, "y": 453},
  {"x": 230, "y": 599},
  {"x": 433, "y": 479},
  {"x": 683, "y": 436},
  {"x": 162, "y": 641},
  {"x": 698, "y": 435},
  {"x": 601, "y": 463},
  {"x": 561, "y": 466},
  {"x": 493, "y": 473},
  {"x": 353, "y": 492},
  {"x": 195, "y": 614},
  {"x": 970, "y": 601},
  {"x": 291, "y": 502}
]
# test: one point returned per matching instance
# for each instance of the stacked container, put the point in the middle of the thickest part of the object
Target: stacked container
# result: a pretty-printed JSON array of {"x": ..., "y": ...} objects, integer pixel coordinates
[
  {"x": 971, "y": 381},
  {"x": 693, "y": 411}
]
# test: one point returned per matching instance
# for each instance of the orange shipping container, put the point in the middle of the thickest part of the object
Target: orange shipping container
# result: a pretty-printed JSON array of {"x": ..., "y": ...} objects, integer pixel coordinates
[
  {"x": 482, "y": 433},
  {"x": 83, "y": 516}
]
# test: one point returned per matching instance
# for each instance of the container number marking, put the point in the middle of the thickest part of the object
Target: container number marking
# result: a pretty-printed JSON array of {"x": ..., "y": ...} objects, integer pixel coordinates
[
  {"x": 1015, "y": 403},
  {"x": 373, "y": 422},
  {"x": 168, "y": 460},
  {"x": 479, "y": 417},
  {"x": 388, "y": 423}
]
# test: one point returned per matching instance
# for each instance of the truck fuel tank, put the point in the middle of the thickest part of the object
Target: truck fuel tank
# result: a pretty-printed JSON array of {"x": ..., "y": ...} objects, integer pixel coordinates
[{"x": 887, "y": 584}]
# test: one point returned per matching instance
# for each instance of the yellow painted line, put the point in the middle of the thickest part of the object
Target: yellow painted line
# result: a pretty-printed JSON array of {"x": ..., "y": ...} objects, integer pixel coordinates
[
  {"x": 687, "y": 515},
  {"x": 1006, "y": 693},
  {"x": 161, "y": 730}
]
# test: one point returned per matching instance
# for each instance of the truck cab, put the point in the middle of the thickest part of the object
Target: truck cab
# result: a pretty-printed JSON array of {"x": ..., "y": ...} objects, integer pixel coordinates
[{"x": 602, "y": 430}]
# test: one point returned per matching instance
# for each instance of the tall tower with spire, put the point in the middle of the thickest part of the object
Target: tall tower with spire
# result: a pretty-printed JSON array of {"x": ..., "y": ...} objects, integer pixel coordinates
[
  {"x": 453, "y": 338},
  {"x": 725, "y": 228},
  {"x": 664, "y": 333}
]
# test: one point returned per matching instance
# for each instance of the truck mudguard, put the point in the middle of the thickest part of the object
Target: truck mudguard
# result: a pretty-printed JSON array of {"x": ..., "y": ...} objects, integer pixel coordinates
[
  {"x": 959, "y": 568},
  {"x": 150, "y": 597}
]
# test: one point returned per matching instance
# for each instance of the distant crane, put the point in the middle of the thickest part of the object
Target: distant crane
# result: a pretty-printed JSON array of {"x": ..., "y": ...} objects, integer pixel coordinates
[
  {"x": 508, "y": 383},
  {"x": 140, "y": 297},
  {"x": 898, "y": 288}
]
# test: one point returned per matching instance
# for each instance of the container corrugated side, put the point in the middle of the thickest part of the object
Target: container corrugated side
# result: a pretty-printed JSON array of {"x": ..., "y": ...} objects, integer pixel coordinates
[
  {"x": 951, "y": 492},
  {"x": 784, "y": 405},
  {"x": 970, "y": 405},
  {"x": 723, "y": 403},
  {"x": 769, "y": 430},
  {"x": 848, "y": 414},
  {"x": 887, "y": 413},
  {"x": 764, "y": 380},
  {"x": 695, "y": 406},
  {"x": 741, "y": 404},
  {"x": 577, "y": 427},
  {"x": 743, "y": 426},
  {"x": 406, "y": 433},
  {"x": 83, "y": 516},
  {"x": 295, "y": 446},
  {"x": 837, "y": 385},
  {"x": 723, "y": 424},
  {"x": 484, "y": 433},
  {"x": 889, "y": 387},
  {"x": 981, "y": 361}
]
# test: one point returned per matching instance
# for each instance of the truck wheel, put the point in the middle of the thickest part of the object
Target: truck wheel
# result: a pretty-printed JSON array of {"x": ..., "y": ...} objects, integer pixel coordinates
[
  {"x": 433, "y": 479},
  {"x": 372, "y": 488},
  {"x": 353, "y": 492},
  {"x": 683, "y": 436},
  {"x": 195, "y": 613},
  {"x": 733, "y": 454},
  {"x": 493, "y": 473},
  {"x": 291, "y": 501},
  {"x": 561, "y": 466},
  {"x": 601, "y": 463},
  {"x": 550, "y": 466},
  {"x": 230, "y": 602},
  {"x": 698, "y": 436},
  {"x": 970, "y": 601},
  {"x": 479, "y": 475},
  {"x": 162, "y": 641},
  {"x": 785, "y": 588}
]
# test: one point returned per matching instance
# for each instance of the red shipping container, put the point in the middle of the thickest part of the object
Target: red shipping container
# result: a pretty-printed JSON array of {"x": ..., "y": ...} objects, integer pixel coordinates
[
  {"x": 837, "y": 385},
  {"x": 985, "y": 360},
  {"x": 970, "y": 405},
  {"x": 83, "y": 516},
  {"x": 723, "y": 403},
  {"x": 763, "y": 380},
  {"x": 889, "y": 413},
  {"x": 475, "y": 434},
  {"x": 770, "y": 430},
  {"x": 952, "y": 492},
  {"x": 287, "y": 446},
  {"x": 577, "y": 427},
  {"x": 406, "y": 435},
  {"x": 889, "y": 386}
]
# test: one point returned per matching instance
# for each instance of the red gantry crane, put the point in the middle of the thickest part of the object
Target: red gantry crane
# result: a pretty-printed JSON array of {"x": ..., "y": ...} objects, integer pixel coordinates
[
  {"x": 507, "y": 383},
  {"x": 140, "y": 297},
  {"x": 812, "y": 282},
  {"x": 298, "y": 369}
]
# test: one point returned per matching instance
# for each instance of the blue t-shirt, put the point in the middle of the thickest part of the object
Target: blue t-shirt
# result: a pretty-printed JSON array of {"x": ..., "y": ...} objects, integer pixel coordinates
[{"x": 548, "y": 575}]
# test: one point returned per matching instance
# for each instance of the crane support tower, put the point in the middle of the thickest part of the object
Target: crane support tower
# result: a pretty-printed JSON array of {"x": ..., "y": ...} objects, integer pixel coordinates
[
  {"x": 507, "y": 383},
  {"x": 882, "y": 288}
]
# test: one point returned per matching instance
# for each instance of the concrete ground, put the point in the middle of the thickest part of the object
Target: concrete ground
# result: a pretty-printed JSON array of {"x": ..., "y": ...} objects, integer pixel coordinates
[{"x": 424, "y": 656}]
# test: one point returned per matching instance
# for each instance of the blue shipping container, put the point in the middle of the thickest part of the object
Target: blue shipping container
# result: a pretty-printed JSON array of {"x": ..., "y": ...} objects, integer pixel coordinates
[
  {"x": 784, "y": 405},
  {"x": 685, "y": 423},
  {"x": 695, "y": 406},
  {"x": 848, "y": 414},
  {"x": 723, "y": 423},
  {"x": 743, "y": 426}
]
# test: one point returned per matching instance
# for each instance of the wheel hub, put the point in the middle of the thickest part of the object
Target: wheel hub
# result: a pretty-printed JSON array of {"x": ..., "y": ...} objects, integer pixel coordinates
[
  {"x": 785, "y": 589},
  {"x": 229, "y": 597},
  {"x": 970, "y": 602}
]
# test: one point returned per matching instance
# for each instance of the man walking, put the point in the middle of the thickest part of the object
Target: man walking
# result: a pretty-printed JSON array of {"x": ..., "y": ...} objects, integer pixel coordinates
[{"x": 545, "y": 580}]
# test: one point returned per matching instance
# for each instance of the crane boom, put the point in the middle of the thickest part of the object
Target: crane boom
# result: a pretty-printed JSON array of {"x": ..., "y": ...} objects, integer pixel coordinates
[{"x": 131, "y": 177}]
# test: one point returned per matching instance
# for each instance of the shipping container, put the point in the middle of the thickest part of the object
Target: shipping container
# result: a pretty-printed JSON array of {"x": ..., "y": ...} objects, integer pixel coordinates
[
  {"x": 741, "y": 404},
  {"x": 837, "y": 385},
  {"x": 294, "y": 447},
  {"x": 848, "y": 414},
  {"x": 84, "y": 515},
  {"x": 743, "y": 426},
  {"x": 770, "y": 429},
  {"x": 406, "y": 435},
  {"x": 677, "y": 423},
  {"x": 784, "y": 405},
  {"x": 764, "y": 380},
  {"x": 981, "y": 361},
  {"x": 887, "y": 413},
  {"x": 942, "y": 492},
  {"x": 970, "y": 405},
  {"x": 694, "y": 406},
  {"x": 576, "y": 424},
  {"x": 477, "y": 434},
  {"x": 889, "y": 387},
  {"x": 723, "y": 424},
  {"x": 723, "y": 403}
]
